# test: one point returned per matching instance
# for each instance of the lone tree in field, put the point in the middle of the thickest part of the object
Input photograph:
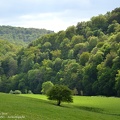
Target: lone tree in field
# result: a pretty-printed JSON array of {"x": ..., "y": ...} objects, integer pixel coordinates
[{"x": 60, "y": 93}]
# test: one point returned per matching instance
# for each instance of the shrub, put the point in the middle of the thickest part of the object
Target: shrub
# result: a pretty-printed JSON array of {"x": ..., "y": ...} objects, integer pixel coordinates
[
  {"x": 30, "y": 92},
  {"x": 17, "y": 92},
  {"x": 11, "y": 92}
]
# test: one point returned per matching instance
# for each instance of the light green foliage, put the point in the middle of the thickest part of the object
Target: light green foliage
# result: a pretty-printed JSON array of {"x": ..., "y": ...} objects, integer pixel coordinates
[
  {"x": 8, "y": 49},
  {"x": 92, "y": 42},
  {"x": 77, "y": 39},
  {"x": 30, "y": 92},
  {"x": 11, "y": 92},
  {"x": 20, "y": 35},
  {"x": 56, "y": 53},
  {"x": 79, "y": 48},
  {"x": 74, "y": 91},
  {"x": 46, "y": 46},
  {"x": 46, "y": 87},
  {"x": 17, "y": 92}
]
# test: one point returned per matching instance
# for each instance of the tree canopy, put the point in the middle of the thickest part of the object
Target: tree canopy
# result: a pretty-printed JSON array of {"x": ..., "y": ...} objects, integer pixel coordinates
[
  {"x": 20, "y": 35},
  {"x": 85, "y": 57},
  {"x": 46, "y": 86},
  {"x": 60, "y": 93}
]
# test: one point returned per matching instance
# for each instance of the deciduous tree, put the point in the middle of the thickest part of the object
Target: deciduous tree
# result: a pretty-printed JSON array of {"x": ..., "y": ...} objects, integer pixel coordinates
[
  {"x": 46, "y": 86},
  {"x": 61, "y": 94}
]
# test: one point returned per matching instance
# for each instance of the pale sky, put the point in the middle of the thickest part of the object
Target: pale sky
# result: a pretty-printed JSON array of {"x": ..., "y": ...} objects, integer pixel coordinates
[{"x": 53, "y": 15}]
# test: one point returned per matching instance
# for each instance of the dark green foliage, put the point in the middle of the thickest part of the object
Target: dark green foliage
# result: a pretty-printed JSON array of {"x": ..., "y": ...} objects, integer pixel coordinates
[
  {"x": 115, "y": 15},
  {"x": 60, "y": 93},
  {"x": 86, "y": 58},
  {"x": 99, "y": 22},
  {"x": 117, "y": 85},
  {"x": 117, "y": 38}
]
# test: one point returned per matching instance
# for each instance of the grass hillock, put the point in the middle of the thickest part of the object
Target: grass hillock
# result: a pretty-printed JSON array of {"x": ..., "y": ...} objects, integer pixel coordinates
[{"x": 37, "y": 107}]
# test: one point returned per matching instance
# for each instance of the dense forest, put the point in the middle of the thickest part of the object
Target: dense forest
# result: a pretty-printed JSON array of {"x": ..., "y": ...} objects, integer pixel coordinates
[
  {"x": 85, "y": 57},
  {"x": 21, "y": 36}
]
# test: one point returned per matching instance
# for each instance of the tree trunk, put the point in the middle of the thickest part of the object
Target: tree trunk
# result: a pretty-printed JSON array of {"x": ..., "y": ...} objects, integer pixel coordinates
[{"x": 58, "y": 102}]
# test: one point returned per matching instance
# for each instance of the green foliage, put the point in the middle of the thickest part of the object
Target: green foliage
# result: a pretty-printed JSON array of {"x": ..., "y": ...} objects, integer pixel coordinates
[
  {"x": 30, "y": 92},
  {"x": 85, "y": 57},
  {"x": 117, "y": 38},
  {"x": 17, "y": 92},
  {"x": 11, "y": 92},
  {"x": 8, "y": 49},
  {"x": 117, "y": 85},
  {"x": 60, "y": 93},
  {"x": 46, "y": 87},
  {"x": 115, "y": 15},
  {"x": 70, "y": 32},
  {"x": 74, "y": 91},
  {"x": 21, "y": 35},
  {"x": 77, "y": 39},
  {"x": 99, "y": 22},
  {"x": 92, "y": 42},
  {"x": 35, "y": 80}
]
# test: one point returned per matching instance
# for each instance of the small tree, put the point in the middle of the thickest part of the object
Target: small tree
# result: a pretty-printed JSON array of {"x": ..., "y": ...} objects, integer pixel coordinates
[
  {"x": 60, "y": 93},
  {"x": 46, "y": 86},
  {"x": 30, "y": 92},
  {"x": 11, "y": 92},
  {"x": 75, "y": 92}
]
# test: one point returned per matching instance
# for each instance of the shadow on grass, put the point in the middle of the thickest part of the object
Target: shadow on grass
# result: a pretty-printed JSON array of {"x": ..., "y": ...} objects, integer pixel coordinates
[
  {"x": 50, "y": 102},
  {"x": 55, "y": 104},
  {"x": 92, "y": 109},
  {"x": 96, "y": 110}
]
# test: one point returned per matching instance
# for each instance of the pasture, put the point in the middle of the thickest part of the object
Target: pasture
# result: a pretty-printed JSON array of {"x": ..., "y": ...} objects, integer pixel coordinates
[{"x": 37, "y": 107}]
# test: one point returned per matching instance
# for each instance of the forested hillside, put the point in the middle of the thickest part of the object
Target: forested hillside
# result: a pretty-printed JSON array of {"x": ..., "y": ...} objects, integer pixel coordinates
[
  {"x": 21, "y": 36},
  {"x": 8, "y": 49},
  {"x": 85, "y": 57}
]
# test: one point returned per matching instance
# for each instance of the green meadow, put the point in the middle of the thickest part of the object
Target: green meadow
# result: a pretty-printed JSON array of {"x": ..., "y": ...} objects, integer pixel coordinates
[{"x": 37, "y": 107}]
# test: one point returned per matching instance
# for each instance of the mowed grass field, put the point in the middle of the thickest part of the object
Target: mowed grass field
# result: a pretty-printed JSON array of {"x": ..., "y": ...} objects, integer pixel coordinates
[{"x": 37, "y": 107}]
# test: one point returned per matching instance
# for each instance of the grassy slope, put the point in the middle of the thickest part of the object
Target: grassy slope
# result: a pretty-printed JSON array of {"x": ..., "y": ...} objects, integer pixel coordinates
[{"x": 37, "y": 107}]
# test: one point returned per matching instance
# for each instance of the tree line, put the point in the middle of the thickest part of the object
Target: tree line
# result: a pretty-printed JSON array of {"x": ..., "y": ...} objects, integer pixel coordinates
[
  {"x": 21, "y": 36},
  {"x": 85, "y": 57}
]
